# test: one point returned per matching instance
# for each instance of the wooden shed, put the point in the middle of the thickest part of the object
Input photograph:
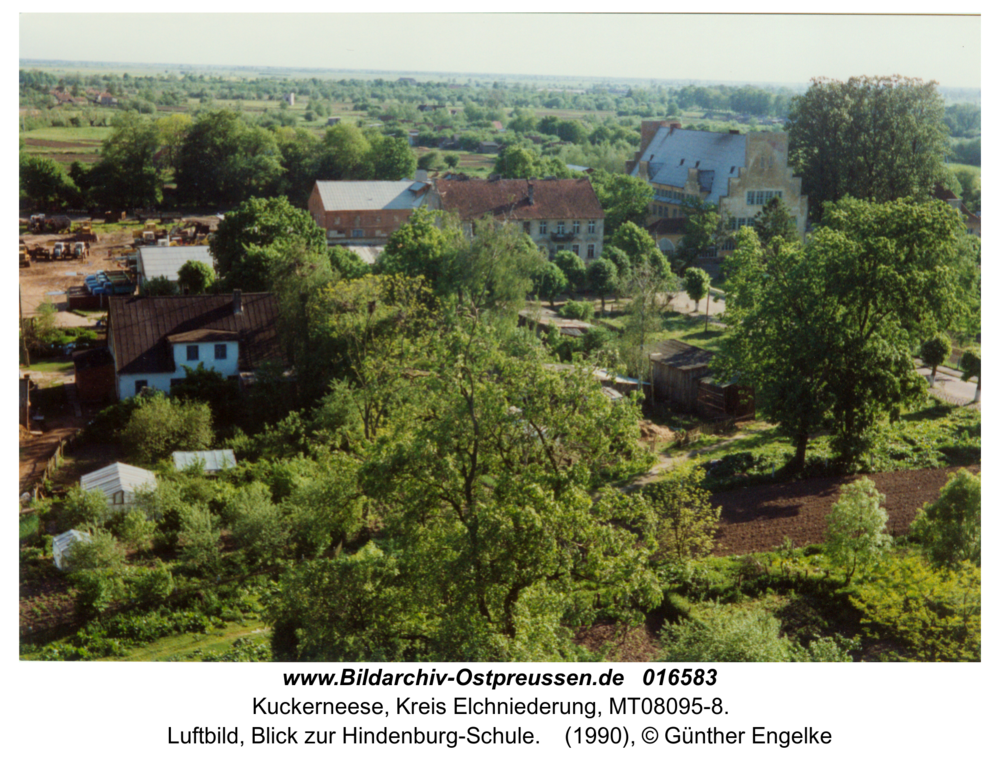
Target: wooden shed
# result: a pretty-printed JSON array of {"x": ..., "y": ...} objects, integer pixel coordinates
[{"x": 681, "y": 374}]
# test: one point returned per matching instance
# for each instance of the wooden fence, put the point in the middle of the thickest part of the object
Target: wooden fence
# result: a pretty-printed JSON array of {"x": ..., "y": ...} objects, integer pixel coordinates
[{"x": 55, "y": 460}]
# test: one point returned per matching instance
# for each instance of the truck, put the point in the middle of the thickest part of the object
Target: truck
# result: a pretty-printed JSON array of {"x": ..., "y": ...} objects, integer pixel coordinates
[
  {"x": 81, "y": 251},
  {"x": 60, "y": 251}
]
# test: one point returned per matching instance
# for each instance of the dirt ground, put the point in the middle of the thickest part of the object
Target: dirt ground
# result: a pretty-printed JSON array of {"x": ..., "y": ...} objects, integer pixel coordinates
[{"x": 760, "y": 518}]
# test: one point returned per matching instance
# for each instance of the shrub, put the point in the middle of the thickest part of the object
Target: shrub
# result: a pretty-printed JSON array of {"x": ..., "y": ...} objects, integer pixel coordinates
[
  {"x": 84, "y": 508},
  {"x": 162, "y": 425},
  {"x": 688, "y": 519},
  {"x": 151, "y": 586},
  {"x": 737, "y": 636},
  {"x": 950, "y": 528},
  {"x": 856, "y": 527},
  {"x": 577, "y": 311}
]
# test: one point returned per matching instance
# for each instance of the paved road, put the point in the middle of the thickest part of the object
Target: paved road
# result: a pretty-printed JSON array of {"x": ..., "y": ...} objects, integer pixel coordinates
[{"x": 950, "y": 387}]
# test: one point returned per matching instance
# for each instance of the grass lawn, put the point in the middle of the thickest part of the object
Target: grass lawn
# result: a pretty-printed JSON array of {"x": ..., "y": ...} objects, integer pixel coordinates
[
  {"x": 52, "y": 367},
  {"x": 193, "y": 646},
  {"x": 69, "y": 134}
]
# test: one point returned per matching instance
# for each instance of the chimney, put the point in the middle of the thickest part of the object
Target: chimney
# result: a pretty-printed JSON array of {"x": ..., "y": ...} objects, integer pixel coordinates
[
  {"x": 531, "y": 193},
  {"x": 237, "y": 302}
]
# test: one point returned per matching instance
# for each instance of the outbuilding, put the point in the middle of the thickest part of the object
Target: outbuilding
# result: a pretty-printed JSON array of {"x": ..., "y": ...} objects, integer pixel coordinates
[
  {"x": 119, "y": 482},
  {"x": 61, "y": 545},
  {"x": 211, "y": 461}
]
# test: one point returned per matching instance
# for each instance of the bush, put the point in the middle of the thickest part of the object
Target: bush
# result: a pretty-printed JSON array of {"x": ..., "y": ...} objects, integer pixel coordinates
[
  {"x": 150, "y": 587},
  {"x": 739, "y": 636},
  {"x": 84, "y": 508},
  {"x": 162, "y": 425},
  {"x": 856, "y": 527},
  {"x": 688, "y": 519},
  {"x": 950, "y": 528},
  {"x": 577, "y": 311}
]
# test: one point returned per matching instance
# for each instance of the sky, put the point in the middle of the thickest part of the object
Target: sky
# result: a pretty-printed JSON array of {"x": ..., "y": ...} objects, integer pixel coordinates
[{"x": 752, "y": 48}]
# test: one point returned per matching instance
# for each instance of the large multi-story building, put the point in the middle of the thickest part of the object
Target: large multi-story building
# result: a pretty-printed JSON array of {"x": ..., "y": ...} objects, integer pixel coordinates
[
  {"x": 365, "y": 212},
  {"x": 739, "y": 173},
  {"x": 557, "y": 214}
]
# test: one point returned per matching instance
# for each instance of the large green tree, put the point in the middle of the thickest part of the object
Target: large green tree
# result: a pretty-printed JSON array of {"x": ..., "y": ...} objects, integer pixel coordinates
[
  {"x": 240, "y": 245},
  {"x": 127, "y": 176},
  {"x": 824, "y": 332},
  {"x": 623, "y": 198},
  {"x": 223, "y": 159},
  {"x": 873, "y": 138}
]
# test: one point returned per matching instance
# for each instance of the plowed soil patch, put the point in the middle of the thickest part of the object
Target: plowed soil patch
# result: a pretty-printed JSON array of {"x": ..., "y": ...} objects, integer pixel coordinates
[{"x": 760, "y": 518}]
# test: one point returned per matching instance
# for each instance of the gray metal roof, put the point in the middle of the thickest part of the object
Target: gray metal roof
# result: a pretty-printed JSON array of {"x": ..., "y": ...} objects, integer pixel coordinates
[
  {"x": 368, "y": 254},
  {"x": 118, "y": 477},
  {"x": 353, "y": 195},
  {"x": 165, "y": 261},
  {"x": 211, "y": 460},
  {"x": 717, "y": 156}
]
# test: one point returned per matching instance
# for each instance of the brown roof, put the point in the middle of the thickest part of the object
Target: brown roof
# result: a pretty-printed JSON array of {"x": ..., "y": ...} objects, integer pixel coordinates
[
  {"x": 554, "y": 199},
  {"x": 677, "y": 354},
  {"x": 141, "y": 328}
]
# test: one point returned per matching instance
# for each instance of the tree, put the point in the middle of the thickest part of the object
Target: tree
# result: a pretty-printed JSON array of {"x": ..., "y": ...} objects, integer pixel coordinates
[
  {"x": 345, "y": 154},
  {"x": 704, "y": 228},
  {"x": 934, "y": 352},
  {"x": 970, "y": 364},
  {"x": 172, "y": 131},
  {"x": 696, "y": 284},
  {"x": 688, "y": 520},
  {"x": 43, "y": 182},
  {"x": 635, "y": 242},
  {"x": 572, "y": 267},
  {"x": 127, "y": 177},
  {"x": 452, "y": 159},
  {"x": 602, "y": 277},
  {"x": 950, "y": 528},
  {"x": 623, "y": 199},
  {"x": 195, "y": 277},
  {"x": 774, "y": 224},
  {"x": 225, "y": 159},
  {"x": 162, "y": 425},
  {"x": 240, "y": 245},
  {"x": 856, "y": 535},
  {"x": 549, "y": 282},
  {"x": 391, "y": 158},
  {"x": 158, "y": 286},
  {"x": 85, "y": 508},
  {"x": 872, "y": 138},
  {"x": 426, "y": 245},
  {"x": 825, "y": 330},
  {"x": 643, "y": 317},
  {"x": 347, "y": 263}
]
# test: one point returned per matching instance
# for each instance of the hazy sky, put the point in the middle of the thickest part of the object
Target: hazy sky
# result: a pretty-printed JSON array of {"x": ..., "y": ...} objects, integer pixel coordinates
[{"x": 760, "y": 48}]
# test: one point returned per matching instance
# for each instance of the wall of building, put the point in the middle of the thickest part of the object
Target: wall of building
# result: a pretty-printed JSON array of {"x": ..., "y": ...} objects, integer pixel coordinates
[
  {"x": 766, "y": 170},
  {"x": 583, "y": 240},
  {"x": 206, "y": 355}
]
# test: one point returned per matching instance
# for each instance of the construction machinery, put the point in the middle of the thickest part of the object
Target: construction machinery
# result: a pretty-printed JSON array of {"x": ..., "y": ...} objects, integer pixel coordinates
[
  {"x": 43, "y": 224},
  {"x": 24, "y": 260},
  {"x": 86, "y": 233}
]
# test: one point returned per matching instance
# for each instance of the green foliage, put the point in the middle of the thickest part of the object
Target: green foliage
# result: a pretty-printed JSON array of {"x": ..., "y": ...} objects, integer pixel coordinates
[
  {"x": 195, "y": 277},
  {"x": 696, "y": 284},
  {"x": 826, "y": 329},
  {"x": 572, "y": 267},
  {"x": 935, "y": 612},
  {"x": 971, "y": 365},
  {"x": 151, "y": 586},
  {"x": 935, "y": 351},
  {"x": 243, "y": 244},
  {"x": 257, "y": 525},
  {"x": 127, "y": 177},
  {"x": 704, "y": 230},
  {"x": 577, "y": 311},
  {"x": 347, "y": 264},
  {"x": 774, "y": 225},
  {"x": 162, "y": 425},
  {"x": 135, "y": 530},
  {"x": 893, "y": 127},
  {"x": 424, "y": 247},
  {"x": 688, "y": 520},
  {"x": 950, "y": 527},
  {"x": 199, "y": 541},
  {"x": 623, "y": 198},
  {"x": 856, "y": 537},
  {"x": 158, "y": 286},
  {"x": 43, "y": 182},
  {"x": 635, "y": 242},
  {"x": 727, "y": 636},
  {"x": 84, "y": 508},
  {"x": 549, "y": 282},
  {"x": 224, "y": 159},
  {"x": 206, "y": 385},
  {"x": 602, "y": 277}
]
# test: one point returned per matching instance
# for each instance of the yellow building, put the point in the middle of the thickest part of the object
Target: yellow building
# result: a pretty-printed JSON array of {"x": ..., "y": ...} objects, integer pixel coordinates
[{"x": 739, "y": 173}]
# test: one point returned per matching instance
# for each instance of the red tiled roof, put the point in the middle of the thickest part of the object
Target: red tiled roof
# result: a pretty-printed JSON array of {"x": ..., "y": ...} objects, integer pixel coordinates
[
  {"x": 141, "y": 327},
  {"x": 553, "y": 199}
]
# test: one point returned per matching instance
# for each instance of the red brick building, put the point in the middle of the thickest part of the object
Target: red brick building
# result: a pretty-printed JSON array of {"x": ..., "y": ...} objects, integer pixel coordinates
[{"x": 365, "y": 212}]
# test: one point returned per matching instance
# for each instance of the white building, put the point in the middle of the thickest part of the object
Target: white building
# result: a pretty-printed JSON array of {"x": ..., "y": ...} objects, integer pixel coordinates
[{"x": 119, "y": 482}]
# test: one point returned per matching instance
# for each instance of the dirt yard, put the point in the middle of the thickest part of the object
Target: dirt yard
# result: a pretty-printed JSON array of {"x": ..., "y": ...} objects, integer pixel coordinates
[{"x": 760, "y": 518}]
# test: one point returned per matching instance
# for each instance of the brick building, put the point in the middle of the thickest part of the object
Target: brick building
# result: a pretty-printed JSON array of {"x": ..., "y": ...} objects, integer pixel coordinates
[{"x": 365, "y": 212}]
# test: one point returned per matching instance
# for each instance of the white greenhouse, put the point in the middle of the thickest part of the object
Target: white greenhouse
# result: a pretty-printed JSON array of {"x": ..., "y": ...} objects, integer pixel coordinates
[
  {"x": 61, "y": 545},
  {"x": 211, "y": 461},
  {"x": 119, "y": 482}
]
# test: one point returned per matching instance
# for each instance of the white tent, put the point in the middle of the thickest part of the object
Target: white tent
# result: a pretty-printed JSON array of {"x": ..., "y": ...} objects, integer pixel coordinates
[
  {"x": 61, "y": 544},
  {"x": 119, "y": 482},
  {"x": 212, "y": 461}
]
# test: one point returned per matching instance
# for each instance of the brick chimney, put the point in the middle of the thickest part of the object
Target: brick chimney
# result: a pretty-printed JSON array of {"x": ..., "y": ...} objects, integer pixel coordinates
[{"x": 237, "y": 302}]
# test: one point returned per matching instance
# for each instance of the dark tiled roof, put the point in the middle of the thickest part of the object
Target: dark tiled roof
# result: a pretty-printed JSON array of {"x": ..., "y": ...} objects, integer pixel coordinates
[
  {"x": 680, "y": 354},
  {"x": 140, "y": 327},
  {"x": 554, "y": 199}
]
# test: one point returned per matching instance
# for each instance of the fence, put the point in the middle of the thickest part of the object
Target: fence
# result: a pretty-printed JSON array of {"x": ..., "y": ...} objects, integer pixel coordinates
[{"x": 55, "y": 460}]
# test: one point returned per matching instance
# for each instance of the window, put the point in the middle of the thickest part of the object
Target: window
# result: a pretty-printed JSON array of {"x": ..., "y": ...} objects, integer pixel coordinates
[
  {"x": 527, "y": 228},
  {"x": 590, "y": 251},
  {"x": 560, "y": 247},
  {"x": 576, "y": 249},
  {"x": 140, "y": 385},
  {"x": 591, "y": 226},
  {"x": 357, "y": 233},
  {"x": 220, "y": 351},
  {"x": 560, "y": 227},
  {"x": 192, "y": 352},
  {"x": 759, "y": 198},
  {"x": 543, "y": 227},
  {"x": 576, "y": 227}
]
